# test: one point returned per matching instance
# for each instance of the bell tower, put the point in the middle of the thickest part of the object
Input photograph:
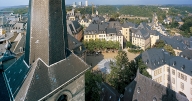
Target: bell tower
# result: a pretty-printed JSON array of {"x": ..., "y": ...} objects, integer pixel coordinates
[{"x": 47, "y": 31}]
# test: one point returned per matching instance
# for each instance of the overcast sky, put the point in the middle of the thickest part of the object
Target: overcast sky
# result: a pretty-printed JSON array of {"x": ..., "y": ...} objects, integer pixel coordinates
[{"x": 100, "y": 2}]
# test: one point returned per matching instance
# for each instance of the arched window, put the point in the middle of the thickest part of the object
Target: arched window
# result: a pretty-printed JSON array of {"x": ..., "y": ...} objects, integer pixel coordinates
[{"x": 62, "y": 98}]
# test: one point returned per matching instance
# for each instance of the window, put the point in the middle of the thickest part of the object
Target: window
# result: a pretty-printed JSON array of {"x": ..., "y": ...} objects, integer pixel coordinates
[
  {"x": 173, "y": 80},
  {"x": 191, "y": 91},
  {"x": 182, "y": 76},
  {"x": 86, "y": 36},
  {"x": 191, "y": 81},
  {"x": 182, "y": 85},
  {"x": 167, "y": 69},
  {"x": 173, "y": 71},
  {"x": 168, "y": 78},
  {"x": 178, "y": 75}
]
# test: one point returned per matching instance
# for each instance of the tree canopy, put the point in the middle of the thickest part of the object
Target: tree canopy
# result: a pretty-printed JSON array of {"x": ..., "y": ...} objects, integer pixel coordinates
[
  {"x": 91, "y": 86},
  {"x": 123, "y": 71}
]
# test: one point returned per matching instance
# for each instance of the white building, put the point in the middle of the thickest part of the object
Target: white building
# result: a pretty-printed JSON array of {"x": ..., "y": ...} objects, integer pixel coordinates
[
  {"x": 170, "y": 71},
  {"x": 80, "y": 3},
  {"x": 86, "y": 3}
]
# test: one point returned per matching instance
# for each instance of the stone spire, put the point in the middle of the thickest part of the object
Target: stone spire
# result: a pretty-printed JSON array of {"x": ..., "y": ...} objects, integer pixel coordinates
[{"x": 46, "y": 32}]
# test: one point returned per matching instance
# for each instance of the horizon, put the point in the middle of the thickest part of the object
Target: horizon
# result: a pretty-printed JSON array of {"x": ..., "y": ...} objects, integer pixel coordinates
[{"x": 9, "y": 3}]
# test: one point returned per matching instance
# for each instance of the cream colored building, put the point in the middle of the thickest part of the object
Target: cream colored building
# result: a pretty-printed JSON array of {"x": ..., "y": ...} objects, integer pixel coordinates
[
  {"x": 141, "y": 38},
  {"x": 154, "y": 35},
  {"x": 126, "y": 31},
  {"x": 99, "y": 31},
  {"x": 172, "y": 72}
]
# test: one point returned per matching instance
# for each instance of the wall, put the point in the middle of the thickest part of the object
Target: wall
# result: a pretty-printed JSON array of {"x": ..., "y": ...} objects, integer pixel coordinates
[{"x": 75, "y": 91}]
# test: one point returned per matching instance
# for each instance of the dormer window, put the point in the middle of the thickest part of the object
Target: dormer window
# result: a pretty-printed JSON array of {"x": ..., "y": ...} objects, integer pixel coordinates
[
  {"x": 183, "y": 67},
  {"x": 174, "y": 63}
]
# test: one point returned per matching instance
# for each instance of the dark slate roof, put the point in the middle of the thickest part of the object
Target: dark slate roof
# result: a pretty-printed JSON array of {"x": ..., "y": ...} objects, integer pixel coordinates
[
  {"x": 47, "y": 79},
  {"x": 4, "y": 95},
  {"x": 181, "y": 64},
  {"x": 144, "y": 25},
  {"x": 76, "y": 24},
  {"x": 176, "y": 44},
  {"x": 21, "y": 43},
  {"x": 115, "y": 24},
  {"x": 129, "y": 25},
  {"x": 108, "y": 93},
  {"x": 95, "y": 28},
  {"x": 143, "y": 33},
  {"x": 75, "y": 45},
  {"x": 16, "y": 74},
  {"x": 155, "y": 57},
  {"x": 154, "y": 32},
  {"x": 145, "y": 89},
  {"x": 186, "y": 54},
  {"x": 110, "y": 30}
]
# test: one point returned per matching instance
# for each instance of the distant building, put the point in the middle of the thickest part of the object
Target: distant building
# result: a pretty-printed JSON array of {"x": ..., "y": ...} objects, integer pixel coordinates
[
  {"x": 3, "y": 20},
  {"x": 173, "y": 72},
  {"x": 86, "y": 3},
  {"x": 145, "y": 89},
  {"x": 80, "y": 3}
]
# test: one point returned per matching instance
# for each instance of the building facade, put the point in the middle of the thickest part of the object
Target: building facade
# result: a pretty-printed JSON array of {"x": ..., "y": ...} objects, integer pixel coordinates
[
  {"x": 171, "y": 71},
  {"x": 141, "y": 38}
]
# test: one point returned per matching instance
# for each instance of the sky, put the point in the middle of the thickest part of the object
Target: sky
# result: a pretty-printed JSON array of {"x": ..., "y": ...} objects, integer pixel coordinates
[{"x": 4, "y": 3}]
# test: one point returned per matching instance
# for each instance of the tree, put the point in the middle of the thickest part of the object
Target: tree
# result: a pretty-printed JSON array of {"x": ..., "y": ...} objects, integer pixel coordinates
[
  {"x": 91, "y": 86},
  {"x": 121, "y": 73},
  {"x": 128, "y": 44},
  {"x": 191, "y": 29},
  {"x": 142, "y": 68},
  {"x": 169, "y": 49},
  {"x": 159, "y": 44}
]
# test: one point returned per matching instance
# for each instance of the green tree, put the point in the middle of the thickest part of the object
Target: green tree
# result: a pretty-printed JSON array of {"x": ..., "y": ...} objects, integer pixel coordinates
[
  {"x": 91, "y": 86},
  {"x": 142, "y": 68},
  {"x": 191, "y": 29},
  {"x": 169, "y": 49},
  {"x": 159, "y": 44},
  {"x": 119, "y": 76},
  {"x": 129, "y": 44}
]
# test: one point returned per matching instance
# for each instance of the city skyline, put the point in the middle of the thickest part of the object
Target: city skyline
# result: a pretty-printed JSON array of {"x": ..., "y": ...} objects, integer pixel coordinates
[{"x": 104, "y": 2}]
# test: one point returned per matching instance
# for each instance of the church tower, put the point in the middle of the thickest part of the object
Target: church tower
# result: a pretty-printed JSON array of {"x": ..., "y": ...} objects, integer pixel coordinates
[{"x": 46, "y": 32}]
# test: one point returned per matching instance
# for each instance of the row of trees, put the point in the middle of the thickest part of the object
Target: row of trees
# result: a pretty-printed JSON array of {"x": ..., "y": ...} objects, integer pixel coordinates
[{"x": 93, "y": 45}]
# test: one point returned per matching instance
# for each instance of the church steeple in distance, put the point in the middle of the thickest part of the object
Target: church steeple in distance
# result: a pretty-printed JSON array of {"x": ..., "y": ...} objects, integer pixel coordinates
[{"x": 47, "y": 32}]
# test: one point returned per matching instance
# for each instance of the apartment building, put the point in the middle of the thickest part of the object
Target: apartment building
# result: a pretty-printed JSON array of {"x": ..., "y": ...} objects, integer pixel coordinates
[
  {"x": 102, "y": 31},
  {"x": 171, "y": 71},
  {"x": 141, "y": 38},
  {"x": 126, "y": 31}
]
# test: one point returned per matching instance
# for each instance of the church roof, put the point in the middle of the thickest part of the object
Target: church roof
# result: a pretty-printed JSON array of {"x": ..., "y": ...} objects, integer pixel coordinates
[{"x": 47, "y": 79}]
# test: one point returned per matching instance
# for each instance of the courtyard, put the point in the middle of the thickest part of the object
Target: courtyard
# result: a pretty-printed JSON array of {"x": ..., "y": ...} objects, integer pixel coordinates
[{"x": 94, "y": 60}]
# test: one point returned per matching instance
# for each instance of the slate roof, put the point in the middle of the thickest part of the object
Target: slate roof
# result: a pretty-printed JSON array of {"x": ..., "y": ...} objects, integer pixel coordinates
[
  {"x": 143, "y": 33},
  {"x": 95, "y": 28},
  {"x": 186, "y": 54},
  {"x": 108, "y": 93},
  {"x": 4, "y": 94},
  {"x": 15, "y": 74},
  {"x": 176, "y": 44},
  {"x": 47, "y": 79},
  {"x": 155, "y": 57},
  {"x": 21, "y": 44},
  {"x": 75, "y": 45},
  {"x": 145, "y": 89},
  {"x": 144, "y": 25},
  {"x": 129, "y": 25},
  {"x": 181, "y": 64},
  {"x": 111, "y": 30}
]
